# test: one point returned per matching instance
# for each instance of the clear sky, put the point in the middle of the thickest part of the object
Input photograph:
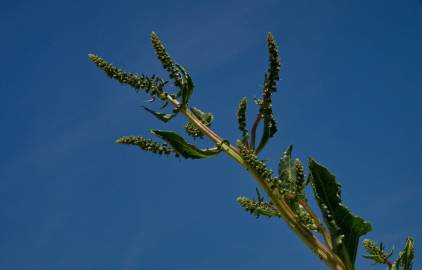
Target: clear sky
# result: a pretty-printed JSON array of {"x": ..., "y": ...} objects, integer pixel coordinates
[{"x": 70, "y": 198}]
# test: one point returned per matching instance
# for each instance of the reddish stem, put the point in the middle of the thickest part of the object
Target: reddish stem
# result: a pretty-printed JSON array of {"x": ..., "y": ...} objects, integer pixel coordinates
[{"x": 253, "y": 130}]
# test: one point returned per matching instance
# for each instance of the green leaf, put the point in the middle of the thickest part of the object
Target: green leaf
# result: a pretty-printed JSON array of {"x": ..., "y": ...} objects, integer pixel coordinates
[
  {"x": 407, "y": 255},
  {"x": 205, "y": 117},
  {"x": 183, "y": 148},
  {"x": 345, "y": 228},
  {"x": 165, "y": 117},
  {"x": 147, "y": 145},
  {"x": 286, "y": 170},
  {"x": 187, "y": 86}
]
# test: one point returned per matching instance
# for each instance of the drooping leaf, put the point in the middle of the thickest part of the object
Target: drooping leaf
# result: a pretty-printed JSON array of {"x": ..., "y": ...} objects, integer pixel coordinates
[
  {"x": 165, "y": 117},
  {"x": 183, "y": 148},
  {"x": 345, "y": 228}
]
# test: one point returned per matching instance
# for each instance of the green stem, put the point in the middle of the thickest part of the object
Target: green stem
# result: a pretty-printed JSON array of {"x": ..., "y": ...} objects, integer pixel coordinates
[{"x": 322, "y": 251}]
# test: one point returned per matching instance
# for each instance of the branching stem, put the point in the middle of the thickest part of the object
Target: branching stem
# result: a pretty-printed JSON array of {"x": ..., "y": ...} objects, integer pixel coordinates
[{"x": 322, "y": 251}]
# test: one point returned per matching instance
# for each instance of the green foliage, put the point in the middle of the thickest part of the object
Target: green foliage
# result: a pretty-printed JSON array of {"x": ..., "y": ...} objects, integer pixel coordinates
[
  {"x": 152, "y": 85},
  {"x": 270, "y": 87},
  {"x": 183, "y": 148},
  {"x": 257, "y": 208},
  {"x": 286, "y": 192},
  {"x": 205, "y": 117},
  {"x": 165, "y": 117},
  {"x": 254, "y": 163},
  {"x": 166, "y": 60},
  {"x": 241, "y": 119},
  {"x": 379, "y": 256},
  {"x": 345, "y": 228},
  {"x": 181, "y": 77},
  {"x": 292, "y": 181},
  {"x": 376, "y": 253},
  {"x": 406, "y": 256},
  {"x": 148, "y": 145},
  {"x": 193, "y": 131}
]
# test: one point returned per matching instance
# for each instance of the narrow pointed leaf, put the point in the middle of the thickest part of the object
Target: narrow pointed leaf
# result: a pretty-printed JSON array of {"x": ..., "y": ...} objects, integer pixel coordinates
[
  {"x": 183, "y": 148},
  {"x": 345, "y": 228},
  {"x": 286, "y": 170},
  {"x": 165, "y": 117},
  {"x": 407, "y": 255}
]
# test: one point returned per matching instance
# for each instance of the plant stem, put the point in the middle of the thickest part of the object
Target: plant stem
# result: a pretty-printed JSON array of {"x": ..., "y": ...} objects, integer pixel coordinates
[
  {"x": 321, "y": 228},
  {"x": 322, "y": 251},
  {"x": 253, "y": 130}
]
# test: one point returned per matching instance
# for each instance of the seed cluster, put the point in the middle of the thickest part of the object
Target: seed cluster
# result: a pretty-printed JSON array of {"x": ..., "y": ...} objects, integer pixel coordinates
[
  {"x": 257, "y": 208},
  {"x": 300, "y": 179},
  {"x": 241, "y": 117},
  {"x": 254, "y": 163},
  {"x": 166, "y": 60},
  {"x": 152, "y": 85},
  {"x": 270, "y": 85},
  {"x": 147, "y": 145},
  {"x": 193, "y": 131}
]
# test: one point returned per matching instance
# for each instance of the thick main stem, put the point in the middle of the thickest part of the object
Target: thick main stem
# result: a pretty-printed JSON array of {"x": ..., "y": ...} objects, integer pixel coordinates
[{"x": 323, "y": 252}]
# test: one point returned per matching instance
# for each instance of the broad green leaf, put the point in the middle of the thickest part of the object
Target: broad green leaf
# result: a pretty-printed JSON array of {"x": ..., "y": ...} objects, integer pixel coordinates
[
  {"x": 185, "y": 149},
  {"x": 345, "y": 228},
  {"x": 165, "y": 117}
]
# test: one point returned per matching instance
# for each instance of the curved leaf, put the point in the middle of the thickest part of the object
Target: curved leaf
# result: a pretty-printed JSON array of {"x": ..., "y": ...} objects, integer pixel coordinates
[
  {"x": 345, "y": 228},
  {"x": 183, "y": 148},
  {"x": 165, "y": 117},
  {"x": 187, "y": 86},
  {"x": 205, "y": 117}
]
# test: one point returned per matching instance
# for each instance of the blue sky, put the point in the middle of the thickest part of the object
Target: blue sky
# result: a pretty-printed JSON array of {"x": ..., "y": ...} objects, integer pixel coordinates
[{"x": 73, "y": 199}]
